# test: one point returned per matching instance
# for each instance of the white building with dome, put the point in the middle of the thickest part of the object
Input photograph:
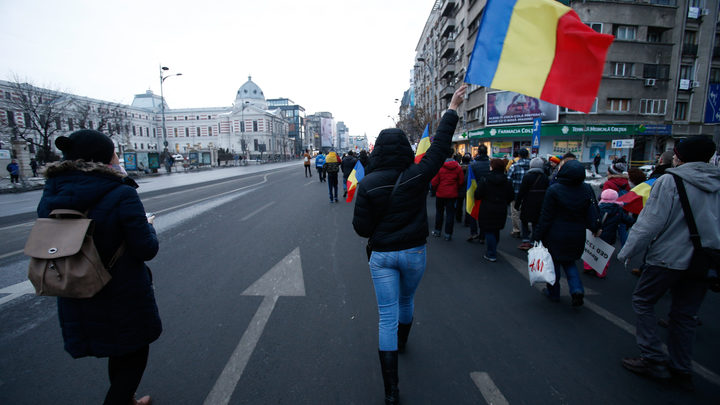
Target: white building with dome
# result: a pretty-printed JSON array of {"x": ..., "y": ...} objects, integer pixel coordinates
[{"x": 247, "y": 127}]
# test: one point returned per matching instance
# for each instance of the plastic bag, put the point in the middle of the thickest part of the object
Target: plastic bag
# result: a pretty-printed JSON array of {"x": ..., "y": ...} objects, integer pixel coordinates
[{"x": 540, "y": 265}]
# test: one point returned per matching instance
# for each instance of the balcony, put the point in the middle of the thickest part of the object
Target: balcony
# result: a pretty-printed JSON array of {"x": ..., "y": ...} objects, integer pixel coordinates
[
  {"x": 447, "y": 69},
  {"x": 690, "y": 50},
  {"x": 447, "y": 48},
  {"x": 447, "y": 26},
  {"x": 447, "y": 92},
  {"x": 448, "y": 7}
]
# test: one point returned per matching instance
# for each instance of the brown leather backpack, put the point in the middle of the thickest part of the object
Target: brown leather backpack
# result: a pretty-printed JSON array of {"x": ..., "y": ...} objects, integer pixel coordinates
[{"x": 63, "y": 259}]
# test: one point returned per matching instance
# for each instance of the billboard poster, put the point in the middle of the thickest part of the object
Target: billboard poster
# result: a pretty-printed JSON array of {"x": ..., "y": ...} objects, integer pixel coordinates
[
  {"x": 712, "y": 108},
  {"x": 130, "y": 160},
  {"x": 502, "y": 149},
  {"x": 327, "y": 132},
  {"x": 153, "y": 160},
  {"x": 510, "y": 108}
]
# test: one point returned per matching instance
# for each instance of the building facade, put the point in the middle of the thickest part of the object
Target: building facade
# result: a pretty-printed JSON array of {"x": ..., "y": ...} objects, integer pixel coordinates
[{"x": 661, "y": 80}]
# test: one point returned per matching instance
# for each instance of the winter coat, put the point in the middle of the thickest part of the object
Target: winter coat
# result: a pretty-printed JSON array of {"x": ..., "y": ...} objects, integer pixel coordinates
[
  {"x": 448, "y": 180},
  {"x": 123, "y": 317},
  {"x": 610, "y": 222},
  {"x": 529, "y": 199},
  {"x": 404, "y": 223},
  {"x": 480, "y": 167},
  {"x": 659, "y": 171},
  {"x": 13, "y": 168},
  {"x": 661, "y": 229},
  {"x": 347, "y": 165},
  {"x": 495, "y": 193},
  {"x": 306, "y": 159},
  {"x": 617, "y": 182},
  {"x": 568, "y": 209},
  {"x": 319, "y": 160}
]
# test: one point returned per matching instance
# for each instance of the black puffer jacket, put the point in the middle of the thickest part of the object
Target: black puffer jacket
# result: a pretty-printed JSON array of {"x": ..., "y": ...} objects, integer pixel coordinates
[
  {"x": 531, "y": 195},
  {"x": 568, "y": 209},
  {"x": 404, "y": 224},
  {"x": 123, "y": 316},
  {"x": 496, "y": 193}
]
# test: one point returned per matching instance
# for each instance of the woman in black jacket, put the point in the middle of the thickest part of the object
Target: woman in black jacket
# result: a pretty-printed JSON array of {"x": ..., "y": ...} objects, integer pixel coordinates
[
  {"x": 529, "y": 199},
  {"x": 568, "y": 209},
  {"x": 495, "y": 193},
  {"x": 122, "y": 319},
  {"x": 391, "y": 211}
]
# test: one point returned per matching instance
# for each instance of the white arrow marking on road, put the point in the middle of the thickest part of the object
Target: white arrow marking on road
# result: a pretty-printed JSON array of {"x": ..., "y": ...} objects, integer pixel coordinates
[
  {"x": 488, "y": 389},
  {"x": 284, "y": 279},
  {"x": 16, "y": 290}
]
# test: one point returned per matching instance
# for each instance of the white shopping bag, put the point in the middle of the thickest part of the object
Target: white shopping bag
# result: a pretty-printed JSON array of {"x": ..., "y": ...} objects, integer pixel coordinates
[
  {"x": 540, "y": 265},
  {"x": 597, "y": 252}
]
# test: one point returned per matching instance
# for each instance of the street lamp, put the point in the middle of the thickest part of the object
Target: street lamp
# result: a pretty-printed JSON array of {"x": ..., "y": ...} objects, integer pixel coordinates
[
  {"x": 162, "y": 105},
  {"x": 243, "y": 143},
  {"x": 393, "y": 120}
]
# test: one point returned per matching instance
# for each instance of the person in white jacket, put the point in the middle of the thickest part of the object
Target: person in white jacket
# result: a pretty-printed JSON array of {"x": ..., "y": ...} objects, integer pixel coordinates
[{"x": 662, "y": 236}]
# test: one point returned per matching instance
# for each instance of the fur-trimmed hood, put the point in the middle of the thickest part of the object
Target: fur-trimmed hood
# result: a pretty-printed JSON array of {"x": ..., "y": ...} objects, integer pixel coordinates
[{"x": 56, "y": 168}]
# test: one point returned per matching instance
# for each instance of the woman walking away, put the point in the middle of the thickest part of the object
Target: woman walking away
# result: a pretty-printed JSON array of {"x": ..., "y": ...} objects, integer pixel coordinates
[
  {"x": 496, "y": 192},
  {"x": 446, "y": 184},
  {"x": 530, "y": 198},
  {"x": 122, "y": 319},
  {"x": 611, "y": 216},
  {"x": 568, "y": 209},
  {"x": 390, "y": 210}
]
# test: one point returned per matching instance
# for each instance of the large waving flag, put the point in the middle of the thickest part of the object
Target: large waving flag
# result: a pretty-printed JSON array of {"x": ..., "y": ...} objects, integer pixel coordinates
[
  {"x": 539, "y": 48},
  {"x": 354, "y": 178},
  {"x": 471, "y": 206},
  {"x": 636, "y": 198},
  {"x": 423, "y": 145}
]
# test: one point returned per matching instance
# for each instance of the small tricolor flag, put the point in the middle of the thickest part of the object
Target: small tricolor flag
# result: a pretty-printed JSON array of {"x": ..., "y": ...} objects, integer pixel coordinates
[
  {"x": 423, "y": 145},
  {"x": 471, "y": 206},
  {"x": 539, "y": 48},
  {"x": 636, "y": 198},
  {"x": 354, "y": 178}
]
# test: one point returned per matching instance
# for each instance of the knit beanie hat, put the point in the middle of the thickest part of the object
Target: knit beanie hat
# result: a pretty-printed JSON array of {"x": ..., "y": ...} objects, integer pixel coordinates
[
  {"x": 609, "y": 196},
  {"x": 696, "y": 148},
  {"x": 88, "y": 145},
  {"x": 555, "y": 159},
  {"x": 618, "y": 168},
  {"x": 537, "y": 163}
]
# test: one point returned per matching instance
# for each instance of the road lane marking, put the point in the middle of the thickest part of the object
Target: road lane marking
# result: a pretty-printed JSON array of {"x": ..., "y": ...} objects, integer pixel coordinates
[
  {"x": 17, "y": 252},
  {"x": 25, "y": 224},
  {"x": 250, "y": 215},
  {"x": 488, "y": 389},
  {"x": 163, "y": 196},
  {"x": 284, "y": 279},
  {"x": 699, "y": 369},
  {"x": 16, "y": 290},
  {"x": 521, "y": 266}
]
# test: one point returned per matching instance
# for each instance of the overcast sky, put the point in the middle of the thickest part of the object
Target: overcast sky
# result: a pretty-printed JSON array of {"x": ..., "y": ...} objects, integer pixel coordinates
[{"x": 352, "y": 58}]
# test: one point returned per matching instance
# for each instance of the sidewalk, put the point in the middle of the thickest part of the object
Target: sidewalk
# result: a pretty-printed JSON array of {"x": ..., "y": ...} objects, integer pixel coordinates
[{"x": 13, "y": 203}]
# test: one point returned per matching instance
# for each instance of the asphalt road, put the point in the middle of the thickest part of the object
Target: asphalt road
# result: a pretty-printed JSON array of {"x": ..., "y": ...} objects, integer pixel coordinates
[{"x": 266, "y": 298}]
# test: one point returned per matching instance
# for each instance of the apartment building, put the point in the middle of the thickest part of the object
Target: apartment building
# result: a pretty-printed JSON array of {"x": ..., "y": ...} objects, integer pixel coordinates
[{"x": 661, "y": 81}]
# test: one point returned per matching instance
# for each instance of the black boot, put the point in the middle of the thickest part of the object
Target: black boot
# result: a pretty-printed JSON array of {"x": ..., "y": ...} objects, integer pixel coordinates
[
  {"x": 389, "y": 367},
  {"x": 403, "y": 332}
]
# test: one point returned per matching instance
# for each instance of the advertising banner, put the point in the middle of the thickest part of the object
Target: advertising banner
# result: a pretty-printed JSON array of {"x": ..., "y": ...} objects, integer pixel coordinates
[
  {"x": 153, "y": 160},
  {"x": 327, "y": 132},
  {"x": 568, "y": 130},
  {"x": 502, "y": 149},
  {"x": 510, "y": 108},
  {"x": 563, "y": 147},
  {"x": 130, "y": 160}
]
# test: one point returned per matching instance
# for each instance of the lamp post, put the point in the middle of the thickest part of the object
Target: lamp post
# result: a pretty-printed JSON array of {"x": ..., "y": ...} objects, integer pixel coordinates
[
  {"x": 243, "y": 144},
  {"x": 162, "y": 105}
]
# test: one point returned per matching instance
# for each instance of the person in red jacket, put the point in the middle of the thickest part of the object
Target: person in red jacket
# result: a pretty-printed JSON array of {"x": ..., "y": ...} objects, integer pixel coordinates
[{"x": 446, "y": 184}]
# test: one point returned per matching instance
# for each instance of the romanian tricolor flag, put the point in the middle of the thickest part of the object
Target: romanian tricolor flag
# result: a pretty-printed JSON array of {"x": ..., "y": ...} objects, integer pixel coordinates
[
  {"x": 423, "y": 145},
  {"x": 635, "y": 199},
  {"x": 539, "y": 48},
  {"x": 471, "y": 206},
  {"x": 354, "y": 178}
]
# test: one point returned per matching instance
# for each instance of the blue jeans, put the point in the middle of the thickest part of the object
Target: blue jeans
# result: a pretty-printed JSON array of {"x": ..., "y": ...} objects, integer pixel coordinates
[
  {"x": 492, "y": 238},
  {"x": 396, "y": 276},
  {"x": 573, "y": 278}
]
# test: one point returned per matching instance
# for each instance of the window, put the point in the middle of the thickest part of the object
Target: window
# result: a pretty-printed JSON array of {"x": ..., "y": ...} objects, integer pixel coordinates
[
  {"x": 681, "y": 111},
  {"x": 197, "y": 117},
  {"x": 27, "y": 122},
  {"x": 690, "y": 38},
  {"x": 656, "y": 71},
  {"x": 242, "y": 126},
  {"x": 686, "y": 72},
  {"x": 623, "y": 69},
  {"x": 474, "y": 24},
  {"x": 255, "y": 126},
  {"x": 653, "y": 107},
  {"x": 618, "y": 104},
  {"x": 187, "y": 132},
  {"x": 597, "y": 27},
  {"x": 210, "y": 131},
  {"x": 176, "y": 132},
  {"x": 8, "y": 96},
  {"x": 625, "y": 32},
  {"x": 58, "y": 123},
  {"x": 593, "y": 109},
  {"x": 255, "y": 144},
  {"x": 10, "y": 117},
  {"x": 715, "y": 76},
  {"x": 133, "y": 130},
  {"x": 197, "y": 131},
  {"x": 71, "y": 125},
  {"x": 142, "y": 146},
  {"x": 154, "y": 133},
  {"x": 655, "y": 34},
  {"x": 90, "y": 125}
]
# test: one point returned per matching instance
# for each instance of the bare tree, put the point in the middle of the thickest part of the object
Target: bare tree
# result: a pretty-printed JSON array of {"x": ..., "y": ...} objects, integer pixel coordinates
[
  {"x": 35, "y": 115},
  {"x": 413, "y": 123}
]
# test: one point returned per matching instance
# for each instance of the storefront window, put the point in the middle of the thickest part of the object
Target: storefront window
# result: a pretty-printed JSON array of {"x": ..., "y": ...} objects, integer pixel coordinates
[{"x": 563, "y": 147}]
